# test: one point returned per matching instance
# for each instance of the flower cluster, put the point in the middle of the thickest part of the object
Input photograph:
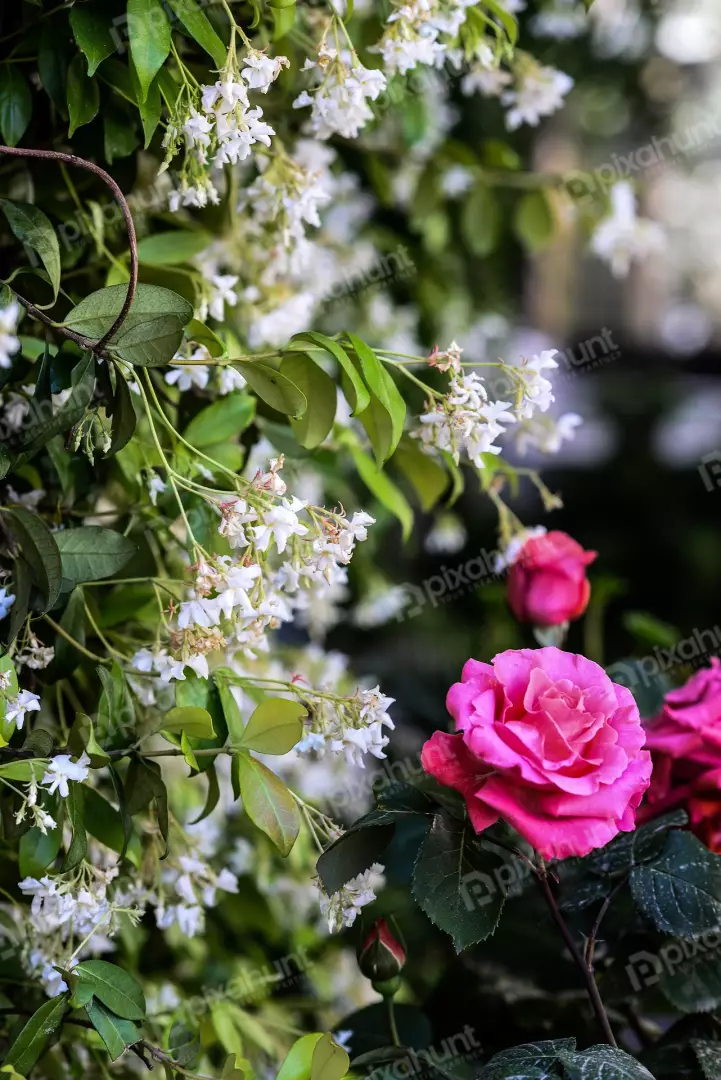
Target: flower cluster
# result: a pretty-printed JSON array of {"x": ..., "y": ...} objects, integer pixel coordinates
[
  {"x": 343, "y": 907},
  {"x": 339, "y": 103},
  {"x": 465, "y": 421},
  {"x": 423, "y": 32}
]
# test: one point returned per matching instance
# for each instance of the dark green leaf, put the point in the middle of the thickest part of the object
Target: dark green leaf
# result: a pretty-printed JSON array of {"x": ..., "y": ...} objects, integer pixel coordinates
[
  {"x": 116, "y": 712},
  {"x": 124, "y": 416},
  {"x": 75, "y": 806},
  {"x": 16, "y": 105},
  {"x": 353, "y": 853},
  {"x": 273, "y": 387},
  {"x": 43, "y": 424},
  {"x": 33, "y": 228},
  {"x": 385, "y": 391},
  {"x": 455, "y": 882},
  {"x": 152, "y": 331},
  {"x": 267, "y": 802},
  {"x": 37, "y": 1035},
  {"x": 91, "y": 553},
  {"x": 428, "y": 477},
  {"x": 320, "y": 393},
  {"x": 602, "y": 1063},
  {"x": 91, "y": 30},
  {"x": 40, "y": 551},
  {"x": 53, "y": 63},
  {"x": 21, "y": 586},
  {"x": 149, "y": 37},
  {"x": 680, "y": 892},
  {"x": 183, "y": 1045},
  {"x": 144, "y": 784},
  {"x": 82, "y": 93},
  {"x": 106, "y": 824},
  {"x": 201, "y": 334},
  {"x": 120, "y": 131},
  {"x": 200, "y": 28},
  {"x": 708, "y": 1055},
  {"x": 117, "y": 989},
  {"x": 116, "y": 1033},
  {"x": 37, "y": 850},
  {"x": 213, "y": 795}
]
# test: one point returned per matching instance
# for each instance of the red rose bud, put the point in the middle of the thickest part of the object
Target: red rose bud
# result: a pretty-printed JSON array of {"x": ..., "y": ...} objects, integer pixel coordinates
[
  {"x": 381, "y": 957},
  {"x": 547, "y": 583}
]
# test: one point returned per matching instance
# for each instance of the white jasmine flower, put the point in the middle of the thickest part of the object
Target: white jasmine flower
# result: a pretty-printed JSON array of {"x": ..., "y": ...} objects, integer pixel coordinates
[
  {"x": 546, "y": 434},
  {"x": 7, "y": 599},
  {"x": 223, "y": 293},
  {"x": 622, "y": 236},
  {"x": 261, "y": 70},
  {"x": 61, "y": 770},
  {"x": 539, "y": 91},
  {"x": 279, "y": 524},
  {"x": 229, "y": 379},
  {"x": 342, "y": 908},
  {"x": 9, "y": 341},
  {"x": 26, "y": 702},
  {"x": 156, "y": 486},
  {"x": 187, "y": 377}
]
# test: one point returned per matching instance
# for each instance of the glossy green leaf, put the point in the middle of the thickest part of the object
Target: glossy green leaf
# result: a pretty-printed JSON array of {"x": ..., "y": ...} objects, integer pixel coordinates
[
  {"x": 31, "y": 226},
  {"x": 267, "y": 802},
  {"x": 54, "y": 57},
  {"x": 105, "y": 823},
  {"x": 197, "y": 24},
  {"x": 202, "y": 335},
  {"x": 320, "y": 392},
  {"x": 275, "y": 727},
  {"x": 37, "y": 850},
  {"x": 91, "y": 29},
  {"x": 82, "y": 94},
  {"x": 124, "y": 416},
  {"x": 75, "y": 810},
  {"x": 680, "y": 892},
  {"x": 149, "y": 38},
  {"x": 358, "y": 390},
  {"x": 16, "y": 105},
  {"x": 427, "y": 476},
  {"x": 43, "y": 423},
  {"x": 384, "y": 437},
  {"x": 91, "y": 553}
]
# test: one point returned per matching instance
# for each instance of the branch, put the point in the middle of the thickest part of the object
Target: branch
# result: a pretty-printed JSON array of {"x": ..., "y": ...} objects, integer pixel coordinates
[
  {"x": 81, "y": 163},
  {"x": 584, "y": 968}
]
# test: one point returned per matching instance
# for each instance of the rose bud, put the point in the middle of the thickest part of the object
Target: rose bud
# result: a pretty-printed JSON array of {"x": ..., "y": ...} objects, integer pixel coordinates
[
  {"x": 547, "y": 583},
  {"x": 381, "y": 958}
]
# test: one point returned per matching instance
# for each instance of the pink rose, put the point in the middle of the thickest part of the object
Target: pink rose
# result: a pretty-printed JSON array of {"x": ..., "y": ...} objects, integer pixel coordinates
[
  {"x": 685, "y": 741},
  {"x": 548, "y": 743},
  {"x": 547, "y": 582}
]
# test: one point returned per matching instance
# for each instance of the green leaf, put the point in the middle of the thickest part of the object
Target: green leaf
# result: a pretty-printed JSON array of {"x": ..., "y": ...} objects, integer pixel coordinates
[
  {"x": 329, "y": 1061},
  {"x": 708, "y": 1055},
  {"x": 190, "y": 720},
  {"x": 275, "y": 727},
  {"x": 680, "y": 893},
  {"x": 40, "y": 550},
  {"x": 16, "y": 105},
  {"x": 43, "y": 424},
  {"x": 53, "y": 63},
  {"x": 116, "y": 1032},
  {"x": 428, "y": 477},
  {"x": 151, "y": 109},
  {"x": 33, "y": 228},
  {"x": 380, "y": 485},
  {"x": 687, "y": 974},
  {"x": 144, "y": 784},
  {"x": 200, "y": 29},
  {"x": 506, "y": 20},
  {"x": 532, "y": 1061},
  {"x": 24, "y": 770},
  {"x": 481, "y": 221},
  {"x": 75, "y": 807},
  {"x": 267, "y": 802},
  {"x": 202, "y": 335},
  {"x": 91, "y": 553},
  {"x": 320, "y": 393},
  {"x": 213, "y": 796},
  {"x": 119, "y": 131},
  {"x": 381, "y": 384},
  {"x": 183, "y": 1045},
  {"x": 91, "y": 30},
  {"x": 454, "y": 883},
  {"x": 82, "y": 93},
  {"x": 124, "y": 416},
  {"x": 173, "y": 247},
  {"x": 106, "y": 824},
  {"x": 37, "y": 850},
  {"x": 602, "y": 1061},
  {"x": 149, "y": 37},
  {"x": 533, "y": 221},
  {"x": 116, "y": 712},
  {"x": 358, "y": 389},
  {"x": 152, "y": 331},
  {"x": 297, "y": 1062},
  {"x": 37, "y": 1035},
  {"x": 283, "y": 20},
  {"x": 273, "y": 387},
  {"x": 224, "y": 419},
  {"x": 117, "y": 989}
]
